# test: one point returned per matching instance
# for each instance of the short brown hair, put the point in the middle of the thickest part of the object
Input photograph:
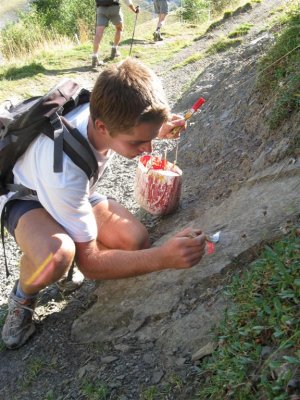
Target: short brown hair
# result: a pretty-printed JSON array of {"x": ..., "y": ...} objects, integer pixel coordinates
[{"x": 127, "y": 94}]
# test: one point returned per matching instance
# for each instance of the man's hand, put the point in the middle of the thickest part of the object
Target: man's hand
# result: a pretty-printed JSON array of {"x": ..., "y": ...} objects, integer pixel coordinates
[
  {"x": 184, "y": 250},
  {"x": 167, "y": 130},
  {"x": 136, "y": 9}
]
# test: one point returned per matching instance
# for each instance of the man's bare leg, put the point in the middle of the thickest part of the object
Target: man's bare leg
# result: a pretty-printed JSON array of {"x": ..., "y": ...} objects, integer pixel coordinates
[
  {"x": 48, "y": 253},
  {"x": 97, "y": 40},
  {"x": 118, "y": 34},
  {"x": 118, "y": 228}
]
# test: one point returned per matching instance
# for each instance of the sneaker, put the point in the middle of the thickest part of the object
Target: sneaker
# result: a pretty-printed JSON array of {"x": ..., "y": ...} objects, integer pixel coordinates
[
  {"x": 115, "y": 52},
  {"x": 71, "y": 282},
  {"x": 19, "y": 325},
  {"x": 157, "y": 36},
  {"x": 96, "y": 62}
]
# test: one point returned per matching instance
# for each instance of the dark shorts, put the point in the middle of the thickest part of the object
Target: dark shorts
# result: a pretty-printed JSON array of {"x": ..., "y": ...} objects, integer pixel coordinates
[
  {"x": 106, "y": 14},
  {"x": 16, "y": 208},
  {"x": 161, "y": 6}
]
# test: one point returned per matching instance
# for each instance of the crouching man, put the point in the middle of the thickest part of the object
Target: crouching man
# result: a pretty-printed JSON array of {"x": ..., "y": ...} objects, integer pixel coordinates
[{"x": 70, "y": 219}]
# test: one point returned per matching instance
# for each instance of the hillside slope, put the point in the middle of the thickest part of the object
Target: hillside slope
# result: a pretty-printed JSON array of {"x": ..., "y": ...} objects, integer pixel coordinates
[{"x": 122, "y": 337}]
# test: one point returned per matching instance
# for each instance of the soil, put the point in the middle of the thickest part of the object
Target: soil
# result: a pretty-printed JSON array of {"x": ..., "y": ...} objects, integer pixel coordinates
[{"x": 226, "y": 144}]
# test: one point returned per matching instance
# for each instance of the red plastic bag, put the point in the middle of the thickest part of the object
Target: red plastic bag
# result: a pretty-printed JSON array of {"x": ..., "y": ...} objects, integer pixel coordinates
[{"x": 157, "y": 185}]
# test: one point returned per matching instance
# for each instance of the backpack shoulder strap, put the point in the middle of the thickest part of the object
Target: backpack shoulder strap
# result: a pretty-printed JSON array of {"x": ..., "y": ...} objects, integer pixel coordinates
[
  {"x": 67, "y": 139},
  {"x": 79, "y": 150}
]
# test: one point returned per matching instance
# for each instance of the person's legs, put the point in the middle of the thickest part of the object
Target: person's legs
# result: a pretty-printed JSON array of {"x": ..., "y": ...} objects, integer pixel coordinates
[
  {"x": 101, "y": 23},
  {"x": 161, "y": 8},
  {"x": 161, "y": 20},
  {"x": 47, "y": 253},
  {"x": 118, "y": 228},
  {"x": 98, "y": 37},
  {"x": 116, "y": 18}
]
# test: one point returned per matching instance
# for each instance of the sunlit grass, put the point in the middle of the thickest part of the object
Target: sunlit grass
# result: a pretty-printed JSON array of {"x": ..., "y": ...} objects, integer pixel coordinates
[
  {"x": 279, "y": 69},
  {"x": 259, "y": 337}
]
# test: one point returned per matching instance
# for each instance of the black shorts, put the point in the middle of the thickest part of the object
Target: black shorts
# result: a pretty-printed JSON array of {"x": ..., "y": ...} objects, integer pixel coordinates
[
  {"x": 14, "y": 211},
  {"x": 16, "y": 208}
]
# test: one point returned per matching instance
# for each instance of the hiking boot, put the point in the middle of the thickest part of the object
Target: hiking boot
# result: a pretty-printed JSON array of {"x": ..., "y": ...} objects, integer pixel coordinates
[
  {"x": 157, "y": 36},
  {"x": 71, "y": 282},
  {"x": 18, "y": 326},
  {"x": 115, "y": 52},
  {"x": 96, "y": 62}
]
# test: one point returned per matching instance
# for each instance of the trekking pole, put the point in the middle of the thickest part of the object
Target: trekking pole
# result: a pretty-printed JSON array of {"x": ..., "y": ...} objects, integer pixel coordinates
[{"x": 136, "y": 15}]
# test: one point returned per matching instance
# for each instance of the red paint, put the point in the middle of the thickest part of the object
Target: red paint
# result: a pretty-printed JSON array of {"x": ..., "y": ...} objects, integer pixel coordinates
[
  {"x": 210, "y": 248},
  {"x": 158, "y": 185}
]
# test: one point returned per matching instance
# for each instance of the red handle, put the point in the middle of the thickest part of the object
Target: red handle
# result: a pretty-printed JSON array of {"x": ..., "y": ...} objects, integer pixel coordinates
[{"x": 198, "y": 103}]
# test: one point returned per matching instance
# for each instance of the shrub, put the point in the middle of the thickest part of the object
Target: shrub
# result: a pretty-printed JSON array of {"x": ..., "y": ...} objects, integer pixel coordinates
[
  {"x": 66, "y": 17},
  {"x": 195, "y": 10},
  {"x": 279, "y": 70}
]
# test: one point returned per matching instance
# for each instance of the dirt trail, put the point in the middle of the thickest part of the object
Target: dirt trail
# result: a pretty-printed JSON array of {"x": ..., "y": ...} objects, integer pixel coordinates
[{"x": 141, "y": 332}]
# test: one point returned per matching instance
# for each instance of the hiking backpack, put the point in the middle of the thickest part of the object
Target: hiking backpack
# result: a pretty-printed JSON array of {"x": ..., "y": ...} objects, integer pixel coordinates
[
  {"x": 107, "y": 3},
  {"x": 22, "y": 123}
]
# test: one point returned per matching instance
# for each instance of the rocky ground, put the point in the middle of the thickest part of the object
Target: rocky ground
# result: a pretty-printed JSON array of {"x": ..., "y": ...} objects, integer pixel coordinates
[{"x": 133, "y": 338}]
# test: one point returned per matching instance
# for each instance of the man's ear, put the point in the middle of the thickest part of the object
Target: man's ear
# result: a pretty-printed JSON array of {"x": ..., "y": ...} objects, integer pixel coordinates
[{"x": 101, "y": 127}]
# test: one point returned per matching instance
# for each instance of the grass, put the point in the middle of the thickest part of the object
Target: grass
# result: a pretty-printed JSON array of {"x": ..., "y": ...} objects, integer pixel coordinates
[
  {"x": 95, "y": 390},
  {"x": 241, "y": 30},
  {"x": 223, "y": 44},
  {"x": 279, "y": 69},
  {"x": 259, "y": 339},
  {"x": 189, "y": 60},
  {"x": 33, "y": 369},
  {"x": 168, "y": 390}
]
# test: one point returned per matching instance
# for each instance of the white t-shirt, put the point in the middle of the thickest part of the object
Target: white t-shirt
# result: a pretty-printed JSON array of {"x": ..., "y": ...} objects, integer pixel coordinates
[{"x": 64, "y": 195}]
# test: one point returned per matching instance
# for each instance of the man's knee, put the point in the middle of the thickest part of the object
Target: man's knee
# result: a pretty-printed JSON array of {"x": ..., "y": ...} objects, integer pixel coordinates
[
  {"x": 64, "y": 256},
  {"x": 119, "y": 27},
  {"x": 136, "y": 240},
  {"x": 51, "y": 269}
]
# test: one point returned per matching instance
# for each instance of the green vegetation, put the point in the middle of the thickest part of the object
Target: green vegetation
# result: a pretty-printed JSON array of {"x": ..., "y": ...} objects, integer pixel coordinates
[
  {"x": 173, "y": 386},
  {"x": 33, "y": 369},
  {"x": 230, "y": 13},
  {"x": 195, "y": 10},
  {"x": 223, "y": 44},
  {"x": 189, "y": 60},
  {"x": 241, "y": 30},
  {"x": 95, "y": 390},
  {"x": 259, "y": 338},
  {"x": 150, "y": 393},
  {"x": 279, "y": 69}
]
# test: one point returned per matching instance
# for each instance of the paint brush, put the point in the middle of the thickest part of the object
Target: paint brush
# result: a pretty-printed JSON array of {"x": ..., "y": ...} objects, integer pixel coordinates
[{"x": 190, "y": 112}]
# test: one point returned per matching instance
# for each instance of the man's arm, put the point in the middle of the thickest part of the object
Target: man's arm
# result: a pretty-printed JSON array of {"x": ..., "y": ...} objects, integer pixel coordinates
[
  {"x": 180, "y": 252},
  {"x": 132, "y": 7}
]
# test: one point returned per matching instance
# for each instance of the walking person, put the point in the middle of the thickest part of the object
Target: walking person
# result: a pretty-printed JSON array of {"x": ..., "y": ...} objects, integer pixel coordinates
[
  {"x": 161, "y": 8},
  {"x": 64, "y": 217},
  {"x": 109, "y": 11}
]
